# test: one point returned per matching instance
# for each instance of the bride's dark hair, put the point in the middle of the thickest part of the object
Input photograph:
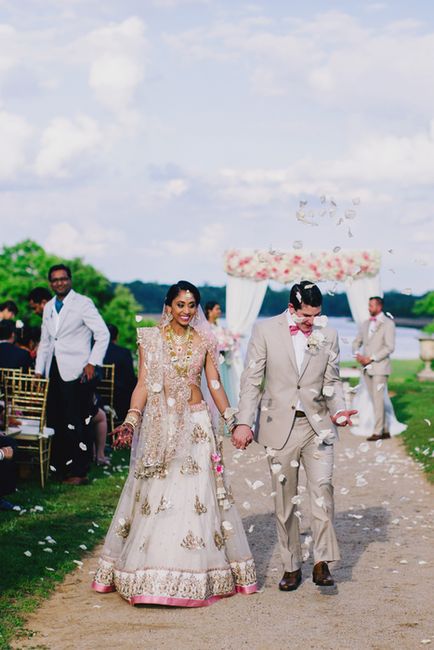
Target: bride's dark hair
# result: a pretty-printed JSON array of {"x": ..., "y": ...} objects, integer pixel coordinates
[{"x": 181, "y": 285}]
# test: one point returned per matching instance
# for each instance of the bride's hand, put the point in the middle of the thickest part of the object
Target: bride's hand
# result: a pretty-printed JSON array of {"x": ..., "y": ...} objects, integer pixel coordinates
[{"x": 122, "y": 436}]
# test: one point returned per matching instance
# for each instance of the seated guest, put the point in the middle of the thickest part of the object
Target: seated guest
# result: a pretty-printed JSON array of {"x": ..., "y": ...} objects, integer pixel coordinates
[
  {"x": 125, "y": 378},
  {"x": 8, "y": 310},
  {"x": 27, "y": 338},
  {"x": 12, "y": 356},
  {"x": 38, "y": 298},
  {"x": 7, "y": 470}
]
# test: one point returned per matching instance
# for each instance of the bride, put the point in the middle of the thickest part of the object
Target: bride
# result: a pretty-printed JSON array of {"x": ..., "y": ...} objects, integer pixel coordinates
[{"x": 176, "y": 537}]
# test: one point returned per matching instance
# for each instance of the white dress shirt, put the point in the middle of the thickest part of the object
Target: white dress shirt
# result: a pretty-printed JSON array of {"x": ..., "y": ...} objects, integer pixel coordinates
[{"x": 299, "y": 343}]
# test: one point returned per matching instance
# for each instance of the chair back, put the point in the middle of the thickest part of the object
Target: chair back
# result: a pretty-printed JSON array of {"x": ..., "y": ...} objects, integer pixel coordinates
[
  {"x": 26, "y": 396},
  {"x": 106, "y": 390}
]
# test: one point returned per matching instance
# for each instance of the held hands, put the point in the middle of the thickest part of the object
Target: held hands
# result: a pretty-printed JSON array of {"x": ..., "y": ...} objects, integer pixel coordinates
[
  {"x": 342, "y": 418},
  {"x": 241, "y": 436},
  {"x": 122, "y": 436},
  {"x": 363, "y": 360}
]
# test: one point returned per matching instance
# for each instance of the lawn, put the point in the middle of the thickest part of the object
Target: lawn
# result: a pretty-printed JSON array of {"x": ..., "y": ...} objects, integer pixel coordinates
[
  {"x": 58, "y": 526},
  {"x": 61, "y": 523}
]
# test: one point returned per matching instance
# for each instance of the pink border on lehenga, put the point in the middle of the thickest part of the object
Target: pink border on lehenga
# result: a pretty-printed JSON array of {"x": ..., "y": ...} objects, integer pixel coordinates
[
  {"x": 251, "y": 589},
  {"x": 102, "y": 589}
]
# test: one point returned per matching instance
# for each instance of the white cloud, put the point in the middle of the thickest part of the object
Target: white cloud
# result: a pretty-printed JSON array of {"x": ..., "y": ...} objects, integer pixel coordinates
[
  {"x": 63, "y": 142},
  {"x": 117, "y": 55},
  {"x": 15, "y": 134},
  {"x": 209, "y": 240},
  {"x": 90, "y": 240}
]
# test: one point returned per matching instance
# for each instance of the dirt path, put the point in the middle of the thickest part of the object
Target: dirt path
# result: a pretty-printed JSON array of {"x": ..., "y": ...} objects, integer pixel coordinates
[{"x": 383, "y": 598}]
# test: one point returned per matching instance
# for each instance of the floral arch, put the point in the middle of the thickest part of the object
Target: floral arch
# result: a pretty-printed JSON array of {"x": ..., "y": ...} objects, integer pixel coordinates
[{"x": 250, "y": 271}]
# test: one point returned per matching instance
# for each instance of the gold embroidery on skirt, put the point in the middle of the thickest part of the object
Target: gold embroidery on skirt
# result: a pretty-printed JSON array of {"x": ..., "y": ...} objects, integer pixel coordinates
[
  {"x": 146, "y": 508},
  {"x": 199, "y": 507},
  {"x": 218, "y": 540},
  {"x": 192, "y": 543},
  {"x": 190, "y": 466},
  {"x": 199, "y": 434},
  {"x": 123, "y": 530},
  {"x": 244, "y": 573},
  {"x": 163, "y": 505},
  {"x": 155, "y": 471}
]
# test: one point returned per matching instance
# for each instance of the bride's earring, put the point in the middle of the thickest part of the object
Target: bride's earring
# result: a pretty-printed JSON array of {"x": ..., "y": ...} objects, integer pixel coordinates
[{"x": 169, "y": 317}]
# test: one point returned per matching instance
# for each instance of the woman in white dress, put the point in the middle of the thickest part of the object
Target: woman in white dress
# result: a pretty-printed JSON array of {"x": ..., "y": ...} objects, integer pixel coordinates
[{"x": 176, "y": 537}]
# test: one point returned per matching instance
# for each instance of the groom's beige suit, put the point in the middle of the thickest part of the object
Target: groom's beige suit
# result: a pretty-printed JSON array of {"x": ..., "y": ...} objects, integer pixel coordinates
[{"x": 288, "y": 393}]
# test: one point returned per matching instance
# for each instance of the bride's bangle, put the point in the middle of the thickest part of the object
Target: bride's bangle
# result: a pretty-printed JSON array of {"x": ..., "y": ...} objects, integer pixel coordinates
[
  {"x": 133, "y": 419},
  {"x": 138, "y": 411},
  {"x": 228, "y": 416}
]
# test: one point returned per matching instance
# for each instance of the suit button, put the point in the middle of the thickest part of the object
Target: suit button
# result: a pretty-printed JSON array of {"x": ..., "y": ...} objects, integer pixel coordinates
[
  {"x": 298, "y": 387},
  {"x": 55, "y": 339},
  {"x": 293, "y": 408}
]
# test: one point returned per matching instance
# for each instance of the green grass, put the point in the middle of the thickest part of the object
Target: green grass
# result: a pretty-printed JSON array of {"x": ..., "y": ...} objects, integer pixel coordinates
[{"x": 72, "y": 516}]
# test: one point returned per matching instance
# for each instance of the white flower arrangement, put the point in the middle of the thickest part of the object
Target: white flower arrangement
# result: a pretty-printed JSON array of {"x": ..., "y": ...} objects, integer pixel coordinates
[
  {"x": 288, "y": 267},
  {"x": 315, "y": 341}
]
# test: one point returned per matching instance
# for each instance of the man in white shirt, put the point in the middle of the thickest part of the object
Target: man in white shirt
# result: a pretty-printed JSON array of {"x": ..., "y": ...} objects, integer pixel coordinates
[
  {"x": 74, "y": 340},
  {"x": 377, "y": 336},
  {"x": 292, "y": 394}
]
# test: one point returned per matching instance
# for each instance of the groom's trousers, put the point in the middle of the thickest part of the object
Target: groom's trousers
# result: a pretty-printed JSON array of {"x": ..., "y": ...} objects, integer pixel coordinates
[{"x": 317, "y": 459}]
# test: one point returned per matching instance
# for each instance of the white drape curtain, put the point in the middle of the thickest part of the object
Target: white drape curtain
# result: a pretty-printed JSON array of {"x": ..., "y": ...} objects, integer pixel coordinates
[
  {"x": 358, "y": 292},
  {"x": 244, "y": 298}
]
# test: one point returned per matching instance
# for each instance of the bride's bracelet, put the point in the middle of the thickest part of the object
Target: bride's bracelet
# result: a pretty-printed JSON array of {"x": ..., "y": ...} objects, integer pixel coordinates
[
  {"x": 132, "y": 418},
  {"x": 228, "y": 416}
]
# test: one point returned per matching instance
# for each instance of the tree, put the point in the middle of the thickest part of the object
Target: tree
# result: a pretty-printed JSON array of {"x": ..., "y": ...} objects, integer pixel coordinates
[
  {"x": 121, "y": 311},
  {"x": 425, "y": 307}
]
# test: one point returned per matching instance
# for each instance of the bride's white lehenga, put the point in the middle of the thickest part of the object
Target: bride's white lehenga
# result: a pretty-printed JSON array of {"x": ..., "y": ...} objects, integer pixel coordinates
[{"x": 176, "y": 537}]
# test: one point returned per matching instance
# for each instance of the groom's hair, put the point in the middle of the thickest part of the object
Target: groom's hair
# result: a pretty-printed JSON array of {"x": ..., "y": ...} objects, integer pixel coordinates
[
  {"x": 379, "y": 299},
  {"x": 307, "y": 293}
]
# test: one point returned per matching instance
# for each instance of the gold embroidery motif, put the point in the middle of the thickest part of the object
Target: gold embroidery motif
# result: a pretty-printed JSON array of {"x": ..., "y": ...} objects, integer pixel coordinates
[
  {"x": 137, "y": 496},
  {"x": 190, "y": 466},
  {"x": 192, "y": 543},
  {"x": 146, "y": 508},
  {"x": 163, "y": 505},
  {"x": 199, "y": 434},
  {"x": 199, "y": 507},
  {"x": 244, "y": 572},
  {"x": 123, "y": 530},
  {"x": 150, "y": 471},
  {"x": 218, "y": 540}
]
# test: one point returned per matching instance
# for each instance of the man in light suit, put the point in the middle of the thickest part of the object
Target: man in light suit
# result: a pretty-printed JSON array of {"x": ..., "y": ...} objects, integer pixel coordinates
[
  {"x": 66, "y": 355},
  {"x": 377, "y": 335},
  {"x": 291, "y": 387}
]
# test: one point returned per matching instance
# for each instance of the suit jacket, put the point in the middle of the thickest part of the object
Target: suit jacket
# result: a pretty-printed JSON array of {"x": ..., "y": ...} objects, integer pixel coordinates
[
  {"x": 79, "y": 323},
  {"x": 11, "y": 356},
  {"x": 380, "y": 345},
  {"x": 271, "y": 384}
]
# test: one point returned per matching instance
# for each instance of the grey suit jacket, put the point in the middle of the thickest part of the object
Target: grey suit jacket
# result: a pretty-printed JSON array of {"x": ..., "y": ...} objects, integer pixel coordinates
[
  {"x": 380, "y": 345},
  {"x": 271, "y": 384},
  {"x": 79, "y": 322}
]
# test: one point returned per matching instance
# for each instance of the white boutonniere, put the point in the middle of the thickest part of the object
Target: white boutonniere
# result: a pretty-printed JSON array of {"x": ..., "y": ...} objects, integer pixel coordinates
[{"x": 315, "y": 341}]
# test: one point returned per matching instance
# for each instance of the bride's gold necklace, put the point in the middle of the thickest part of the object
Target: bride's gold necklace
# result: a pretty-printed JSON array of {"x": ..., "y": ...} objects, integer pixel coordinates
[{"x": 180, "y": 349}]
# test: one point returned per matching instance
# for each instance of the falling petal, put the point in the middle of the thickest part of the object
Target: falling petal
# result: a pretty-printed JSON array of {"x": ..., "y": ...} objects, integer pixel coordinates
[
  {"x": 28, "y": 553},
  {"x": 427, "y": 421},
  {"x": 344, "y": 490},
  {"x": 364, "y": 447},
  {"x": 296, "y": 500},
  {"x": 251, "y": 528},
  {"x": 246, "y": 505},
  {"x": 71, "y": 426},
  {"x": 83, "y": 547},
  {"x": 294, "y": 463},
  {"x": 227, "y": 525},
  {"x": 390, "y": 315},
  {"x": 82, "y": 446},
  {"x": 336, "y": 249},
  {"x": 276, "y": 467},
  {"x": 68, "y": 462},
  {"x": 356, "y": 200},
  {"x": 319, "y": 502},
  {"x": 350, "y": 234},
  {"x": 52, "y": 468},
  {"x": 297, "y": 244},
  {"x": 88, "y": 419},
  {"x": 139, "y": 318},
  {"x": 282, "y": 478},
  {"x": 49, "y": 568},
  {"x": 257, "y": 484}
]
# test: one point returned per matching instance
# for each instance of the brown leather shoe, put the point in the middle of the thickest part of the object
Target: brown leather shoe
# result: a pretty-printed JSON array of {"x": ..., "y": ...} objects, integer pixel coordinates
[
  {"x": 385, "y": 435},
  {"x": 291, "y": 580},
  {"x": 375, "y": 437},
  {"x": 76, "y": 480},
  {"x": 321, "y": 575}
]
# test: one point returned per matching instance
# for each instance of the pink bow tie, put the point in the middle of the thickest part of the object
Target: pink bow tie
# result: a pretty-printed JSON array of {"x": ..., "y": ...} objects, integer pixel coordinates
[
  {"x": 373, "y": 319},
  {"x": 294, "y": 329}
]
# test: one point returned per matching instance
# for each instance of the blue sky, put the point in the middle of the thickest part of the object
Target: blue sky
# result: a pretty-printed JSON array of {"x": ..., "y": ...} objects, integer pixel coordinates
[{"x": 149, "y": 136}]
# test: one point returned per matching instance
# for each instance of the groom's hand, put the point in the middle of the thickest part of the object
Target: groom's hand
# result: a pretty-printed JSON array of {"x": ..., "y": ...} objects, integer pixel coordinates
[
  {"x": 342, "y": 418},
  {"x": 242, "y": 436}
]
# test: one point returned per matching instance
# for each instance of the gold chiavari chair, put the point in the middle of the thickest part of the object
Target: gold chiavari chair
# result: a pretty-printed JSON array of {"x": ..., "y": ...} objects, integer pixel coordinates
[
  {"x": 25, "y": 419},
  {"x": 106, "y": 390}
]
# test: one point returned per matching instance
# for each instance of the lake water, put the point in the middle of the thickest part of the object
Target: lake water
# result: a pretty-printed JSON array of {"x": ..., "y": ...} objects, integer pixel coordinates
[{"x": 407, "y": 344}]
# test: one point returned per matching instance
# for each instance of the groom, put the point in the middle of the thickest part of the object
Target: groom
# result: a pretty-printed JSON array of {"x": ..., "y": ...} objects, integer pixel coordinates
[{"x": 292, "y": 392}]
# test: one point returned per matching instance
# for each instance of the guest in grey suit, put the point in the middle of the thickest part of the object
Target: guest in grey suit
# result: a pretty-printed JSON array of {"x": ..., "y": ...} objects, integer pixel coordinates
[
  {"x": 377, "y": 336},
  {"x": 74, "y": 340}
]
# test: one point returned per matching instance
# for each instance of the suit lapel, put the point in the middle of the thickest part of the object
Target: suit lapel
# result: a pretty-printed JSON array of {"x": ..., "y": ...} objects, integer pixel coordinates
[
  {"x": 286, "y": 338},
  {"x": 306, "y": 359}
]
